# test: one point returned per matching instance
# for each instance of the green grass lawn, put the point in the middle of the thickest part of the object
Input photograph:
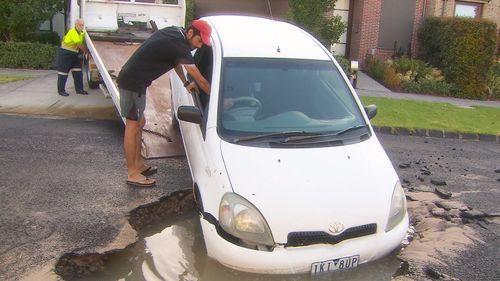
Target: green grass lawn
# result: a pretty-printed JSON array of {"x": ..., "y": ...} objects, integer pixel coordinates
[
  {"x": 11, "y": 78},
  {"x": 440, "y": 116}
]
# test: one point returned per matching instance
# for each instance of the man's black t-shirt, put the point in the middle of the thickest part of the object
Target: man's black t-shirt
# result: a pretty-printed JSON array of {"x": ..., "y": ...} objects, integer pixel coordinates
[{"x": 161, "y": 52}]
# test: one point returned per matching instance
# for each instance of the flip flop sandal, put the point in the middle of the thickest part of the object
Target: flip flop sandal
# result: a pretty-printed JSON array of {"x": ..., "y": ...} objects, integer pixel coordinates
[
  {"x": 151, "y": 170},
  {"x": 142, "y": 183}
]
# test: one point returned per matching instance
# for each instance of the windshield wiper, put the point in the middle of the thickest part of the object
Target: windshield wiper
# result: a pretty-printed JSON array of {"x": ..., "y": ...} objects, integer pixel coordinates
[
  {"x": 319, "y": 135},
  {"x": 349, "y": 129},
  {"x": 285, "y": 135},
  {"x": 291, "y": 136}
]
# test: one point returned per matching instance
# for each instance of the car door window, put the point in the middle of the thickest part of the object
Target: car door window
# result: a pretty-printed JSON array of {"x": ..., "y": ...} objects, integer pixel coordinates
[{"x": 203, "y": 59}]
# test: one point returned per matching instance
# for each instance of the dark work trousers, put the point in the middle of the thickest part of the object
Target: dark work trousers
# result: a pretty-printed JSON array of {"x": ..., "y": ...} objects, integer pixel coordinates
[{"x": 66, "y": 61}]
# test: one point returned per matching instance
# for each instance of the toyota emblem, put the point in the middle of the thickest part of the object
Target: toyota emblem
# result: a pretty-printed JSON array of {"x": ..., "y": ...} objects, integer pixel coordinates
[{"x": 336, "y": 228}]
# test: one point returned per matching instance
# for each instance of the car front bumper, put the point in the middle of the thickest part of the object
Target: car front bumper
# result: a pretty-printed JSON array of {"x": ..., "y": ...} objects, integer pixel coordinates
[{"x": 293, "y": 260}]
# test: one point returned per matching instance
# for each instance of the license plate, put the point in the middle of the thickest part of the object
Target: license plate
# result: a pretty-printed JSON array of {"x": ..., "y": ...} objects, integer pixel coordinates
[{"x": 335, "y": 264}]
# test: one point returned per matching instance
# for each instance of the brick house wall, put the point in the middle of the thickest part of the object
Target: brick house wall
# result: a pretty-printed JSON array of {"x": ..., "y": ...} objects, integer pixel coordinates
[
  {"x": 491, "y": 11},
  {"x": 446, "y": 8},
  {"x": 366, "y": 25},
  {"x": 367, "y": 16},
  {"x": 365, "y": 28}
]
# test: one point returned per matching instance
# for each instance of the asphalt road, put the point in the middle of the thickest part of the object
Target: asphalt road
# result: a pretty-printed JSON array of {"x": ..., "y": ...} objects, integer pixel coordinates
[{"x": 62, "y": 189}]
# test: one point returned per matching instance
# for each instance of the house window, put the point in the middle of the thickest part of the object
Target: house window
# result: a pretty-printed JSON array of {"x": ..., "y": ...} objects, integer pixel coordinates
[{"x": 468, "y": 9}]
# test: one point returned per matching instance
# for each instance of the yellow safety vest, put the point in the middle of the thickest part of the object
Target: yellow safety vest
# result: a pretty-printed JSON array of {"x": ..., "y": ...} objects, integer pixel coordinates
[{"x": 72, "y": 39}]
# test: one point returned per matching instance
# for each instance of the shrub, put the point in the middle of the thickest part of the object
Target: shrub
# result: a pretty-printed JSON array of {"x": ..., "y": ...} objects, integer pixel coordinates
[
  {"x": 313, "y": 16},
  {"x": 391, "y": 77},
  {"x": 19, "y": 18},
  {"x": 345, "y": 64},
  {"x": 409, "y": 75},
  {"x": 412, "y": 67},
  {"x": 27, "y": 55},
  {"x": 375, "y": 67},
  {"x": 434, "y": 87},
  {"x": 45, "y": 37},
  {"x": 493, "y": 82},
  {"x": 463, "y": 48}
]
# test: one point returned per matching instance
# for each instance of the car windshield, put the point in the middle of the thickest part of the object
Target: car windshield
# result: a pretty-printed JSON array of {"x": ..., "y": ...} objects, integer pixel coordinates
[{"x": 303, "y": 99}]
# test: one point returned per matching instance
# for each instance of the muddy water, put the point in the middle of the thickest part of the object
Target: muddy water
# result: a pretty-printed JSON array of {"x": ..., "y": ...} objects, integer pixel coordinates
[{"x": 176, "y": 252}]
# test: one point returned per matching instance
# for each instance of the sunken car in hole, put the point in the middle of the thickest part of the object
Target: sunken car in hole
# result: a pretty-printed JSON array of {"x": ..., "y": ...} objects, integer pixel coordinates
[{"x": 288, "y": 174}]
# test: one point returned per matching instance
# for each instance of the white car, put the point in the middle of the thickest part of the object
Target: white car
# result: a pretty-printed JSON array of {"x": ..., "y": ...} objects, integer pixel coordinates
[{"x": 288, "y": 174}]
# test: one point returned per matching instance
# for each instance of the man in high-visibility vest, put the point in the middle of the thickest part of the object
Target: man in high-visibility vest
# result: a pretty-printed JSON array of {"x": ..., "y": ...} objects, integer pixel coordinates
[{"x": 68, "y": 59}]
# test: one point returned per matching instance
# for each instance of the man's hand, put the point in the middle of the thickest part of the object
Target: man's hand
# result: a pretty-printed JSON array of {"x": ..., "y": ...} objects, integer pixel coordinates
[
  {"x": 192, "y": 88},
  {"x": 198, "y": 78}
]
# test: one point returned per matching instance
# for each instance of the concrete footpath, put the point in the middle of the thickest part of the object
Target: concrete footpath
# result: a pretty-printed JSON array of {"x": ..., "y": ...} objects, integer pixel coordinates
[
  {"x": 367, "y": 86},
  {"x": 38, "y": 96}
]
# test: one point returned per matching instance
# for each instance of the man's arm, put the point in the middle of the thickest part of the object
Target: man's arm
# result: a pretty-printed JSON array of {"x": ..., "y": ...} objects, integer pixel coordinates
[
  {"x": 200, "y": 80},
  {"x": 191, "y": 86},
  {"x": 83, "y": 48},
  {"x": 180, "y": 73}
]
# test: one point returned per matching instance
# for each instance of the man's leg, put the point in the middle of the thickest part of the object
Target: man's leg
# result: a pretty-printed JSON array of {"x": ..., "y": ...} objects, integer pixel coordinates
[
  {"x": 78, "y": 77},
  {"x": 132, "y": 108},
  {"x": 63, "y": 66},
  {"x": 61, "y": 83},
  {"x": 78, "y": 80},
  {"x": 131, "y": 145},
  {"x": 139, "y": 161}
]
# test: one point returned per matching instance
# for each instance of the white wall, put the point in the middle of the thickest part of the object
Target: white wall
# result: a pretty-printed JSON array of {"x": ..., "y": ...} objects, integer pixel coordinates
[
  {"x": 341, "y": 9},
  {"x": 57, "y": 25}
]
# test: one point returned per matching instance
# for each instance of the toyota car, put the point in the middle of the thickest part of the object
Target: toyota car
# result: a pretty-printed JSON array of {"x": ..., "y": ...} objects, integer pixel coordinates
[{"x": 288, "y": 175}]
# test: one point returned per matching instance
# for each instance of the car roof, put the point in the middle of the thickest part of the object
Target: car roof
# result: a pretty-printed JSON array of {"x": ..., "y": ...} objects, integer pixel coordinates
[{"x": 244, "y": 36}]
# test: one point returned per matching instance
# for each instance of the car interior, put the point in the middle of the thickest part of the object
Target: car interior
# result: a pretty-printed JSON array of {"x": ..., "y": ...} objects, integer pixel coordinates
[
  {"x": 279, "y": 94},
  {"x": 286, "y": 94}
]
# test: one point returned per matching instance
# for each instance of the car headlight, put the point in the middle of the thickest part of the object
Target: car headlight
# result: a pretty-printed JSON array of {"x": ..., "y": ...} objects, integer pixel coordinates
[
  {"x": 398, "y": 207},
  {"x": 240, "y": 218}
]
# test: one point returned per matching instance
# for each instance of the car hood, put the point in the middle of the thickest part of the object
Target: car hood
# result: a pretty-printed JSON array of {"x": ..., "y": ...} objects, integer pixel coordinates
[{"x": 308, "y": 189}]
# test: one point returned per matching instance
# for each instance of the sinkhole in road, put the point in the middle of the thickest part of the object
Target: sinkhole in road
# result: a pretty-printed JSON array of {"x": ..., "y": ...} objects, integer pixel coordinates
[{"x": 173, "y": 250}]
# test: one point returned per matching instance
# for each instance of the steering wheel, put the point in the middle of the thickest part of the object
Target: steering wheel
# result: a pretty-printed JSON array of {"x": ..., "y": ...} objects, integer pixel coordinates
[{"x": 248, "y": 101}]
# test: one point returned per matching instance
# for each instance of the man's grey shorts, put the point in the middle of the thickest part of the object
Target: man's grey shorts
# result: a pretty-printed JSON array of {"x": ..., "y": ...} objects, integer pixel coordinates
[{"x": 132, "y": 104}]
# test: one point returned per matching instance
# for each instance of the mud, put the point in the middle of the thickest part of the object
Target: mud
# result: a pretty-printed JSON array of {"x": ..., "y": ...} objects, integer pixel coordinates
[
  {"x": 142, "y": 221},
  {"x": 442, "y": 231},
  {"x": 439, "y": 232}
]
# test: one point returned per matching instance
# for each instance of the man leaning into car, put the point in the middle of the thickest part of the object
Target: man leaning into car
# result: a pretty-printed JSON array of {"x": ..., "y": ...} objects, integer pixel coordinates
[{"x": 167, "y": 48}]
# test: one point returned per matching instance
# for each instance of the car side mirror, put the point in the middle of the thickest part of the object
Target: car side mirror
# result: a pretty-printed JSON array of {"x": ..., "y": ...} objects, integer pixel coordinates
[
  {"x": 371, "y": 110},
  {"x": 190, "y": 114}
]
